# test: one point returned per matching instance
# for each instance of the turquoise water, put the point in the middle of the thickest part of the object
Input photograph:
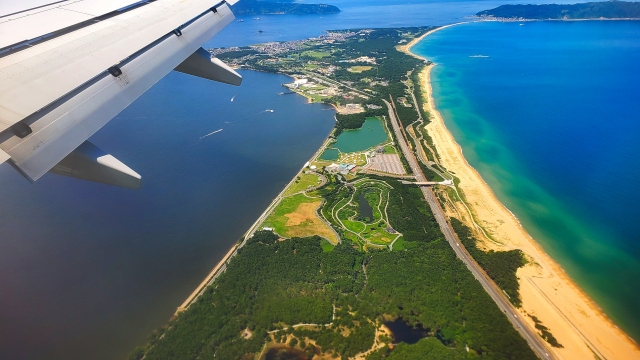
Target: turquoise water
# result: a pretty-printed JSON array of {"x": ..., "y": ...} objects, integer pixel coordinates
[
  {"x": 371, "y": 133},
  {"x": 548, "y": 113},
  {"x": 330, "y": 154}
]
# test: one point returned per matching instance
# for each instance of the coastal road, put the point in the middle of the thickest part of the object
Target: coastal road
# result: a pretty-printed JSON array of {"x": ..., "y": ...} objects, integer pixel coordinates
[{"x": 535, "y": 342}]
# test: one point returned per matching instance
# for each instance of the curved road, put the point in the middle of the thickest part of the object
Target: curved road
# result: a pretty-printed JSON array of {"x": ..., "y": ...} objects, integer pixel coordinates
[{"x": 535, "y": 342}]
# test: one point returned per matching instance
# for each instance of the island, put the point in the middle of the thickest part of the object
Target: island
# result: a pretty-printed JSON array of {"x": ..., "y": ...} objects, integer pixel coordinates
[
  {"x": 259, "y": 7},
  {"x": 584, "y": 11}
]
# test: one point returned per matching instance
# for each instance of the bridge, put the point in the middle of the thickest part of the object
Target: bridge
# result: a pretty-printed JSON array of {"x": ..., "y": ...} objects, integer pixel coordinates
[{"x": 427, "y": 183}]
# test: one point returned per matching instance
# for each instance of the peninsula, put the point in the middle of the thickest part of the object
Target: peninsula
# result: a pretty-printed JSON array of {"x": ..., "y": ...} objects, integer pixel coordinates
[
  {"x": 584, "y": 11},
  {"x": 386, "y": 231},
  {"x": 258, "y": 7}
]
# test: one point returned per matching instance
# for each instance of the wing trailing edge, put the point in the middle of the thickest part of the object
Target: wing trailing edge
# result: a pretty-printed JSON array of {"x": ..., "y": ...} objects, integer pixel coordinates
[{"x": 47, "y": 135}]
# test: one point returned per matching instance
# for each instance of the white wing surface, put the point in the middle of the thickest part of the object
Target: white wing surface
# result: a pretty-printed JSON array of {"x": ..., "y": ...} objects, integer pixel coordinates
[{"x": 68, "y": 68}]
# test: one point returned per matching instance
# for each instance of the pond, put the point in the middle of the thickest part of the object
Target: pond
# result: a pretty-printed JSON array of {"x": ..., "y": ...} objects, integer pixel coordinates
[
  {"x": 364, "y": 207},
  {"x": 402, "y": 332},
  {"x": 370, "y": 134},
  {"x": 285, "y": 353},
  {"x": 330, "y": 154}
]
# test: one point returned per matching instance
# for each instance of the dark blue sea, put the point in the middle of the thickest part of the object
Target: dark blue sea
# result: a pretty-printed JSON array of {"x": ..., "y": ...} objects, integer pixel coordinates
[
  {"x": 549, "y": 114},
  {"x": 88, "y": 270}
]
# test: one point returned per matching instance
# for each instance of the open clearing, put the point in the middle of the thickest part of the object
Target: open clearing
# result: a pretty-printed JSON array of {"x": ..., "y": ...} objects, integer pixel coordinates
[
  {"x": 305, "y": 181},
  {"x": 359, "y": 69},
  {"x": 295, "y": 216}
]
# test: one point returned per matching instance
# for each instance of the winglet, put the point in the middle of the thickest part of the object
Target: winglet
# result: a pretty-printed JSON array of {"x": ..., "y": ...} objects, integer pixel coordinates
[
  {"x": 89, "y": 162},
  {"x": 203, "y": 65}
]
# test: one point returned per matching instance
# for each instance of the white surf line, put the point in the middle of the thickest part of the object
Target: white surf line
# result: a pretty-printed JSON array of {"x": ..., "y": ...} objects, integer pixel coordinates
[{"x": 209, "y": 134}]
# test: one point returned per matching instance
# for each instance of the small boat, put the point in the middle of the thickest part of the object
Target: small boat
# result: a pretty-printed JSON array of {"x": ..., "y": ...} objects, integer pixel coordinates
[
  {"x": 240, "y": 20},
  {"x": 269, "y": 110},
  {"x": 256, "y": 18}
]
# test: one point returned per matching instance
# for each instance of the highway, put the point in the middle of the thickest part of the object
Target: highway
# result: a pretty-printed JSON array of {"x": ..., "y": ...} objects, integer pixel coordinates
[{"x": 535, "y": 342}]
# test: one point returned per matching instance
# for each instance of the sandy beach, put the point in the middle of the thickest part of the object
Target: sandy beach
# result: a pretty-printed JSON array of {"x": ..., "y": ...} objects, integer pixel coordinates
[{"x": 547, "y": 292}]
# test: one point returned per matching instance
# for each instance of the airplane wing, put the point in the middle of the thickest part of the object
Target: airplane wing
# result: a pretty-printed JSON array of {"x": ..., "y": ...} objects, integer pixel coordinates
[{"x": 68, "y": 67}]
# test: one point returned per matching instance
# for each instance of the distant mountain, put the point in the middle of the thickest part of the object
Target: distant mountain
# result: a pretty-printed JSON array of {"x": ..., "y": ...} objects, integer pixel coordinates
[
  {"x": 256, "y": 7},
  {"x": 593, "y": 10}
]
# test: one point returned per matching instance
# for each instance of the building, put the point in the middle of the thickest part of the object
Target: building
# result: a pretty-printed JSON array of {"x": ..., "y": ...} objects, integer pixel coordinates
[
  {"x": 299, "y": 82},
  {"x": 333, "y": 168}
]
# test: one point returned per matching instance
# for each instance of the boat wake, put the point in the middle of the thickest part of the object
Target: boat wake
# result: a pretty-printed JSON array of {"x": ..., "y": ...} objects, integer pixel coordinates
[{"x": 209, "y": 134}]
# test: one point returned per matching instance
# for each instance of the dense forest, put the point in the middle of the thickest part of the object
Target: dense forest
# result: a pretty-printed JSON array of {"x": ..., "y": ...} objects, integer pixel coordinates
[
  {"x": 592, "y": 10},
  {"x": 501, "y": 266},
  {"x": 258, "y": 7},
  {"x": 274, "y": 283}
]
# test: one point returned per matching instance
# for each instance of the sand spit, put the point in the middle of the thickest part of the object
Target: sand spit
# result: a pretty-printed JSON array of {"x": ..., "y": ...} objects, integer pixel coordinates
[{"x": 547, "y": 292}]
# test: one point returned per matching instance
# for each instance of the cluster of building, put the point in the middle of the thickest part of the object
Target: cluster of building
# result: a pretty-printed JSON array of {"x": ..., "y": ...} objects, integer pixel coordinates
[
  {"x": 350, "y": 108},
  {"x": 361, "y": 59},
  {"x": 275, "y": 48},
  {"x": 340, "y": 168},
  {"x": 218, "y": 51}
]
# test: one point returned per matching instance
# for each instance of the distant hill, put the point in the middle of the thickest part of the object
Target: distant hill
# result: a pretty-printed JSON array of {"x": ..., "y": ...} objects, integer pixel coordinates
[
  {"x": 256, "y": 7},
  {"x": 593, "y": 10}
]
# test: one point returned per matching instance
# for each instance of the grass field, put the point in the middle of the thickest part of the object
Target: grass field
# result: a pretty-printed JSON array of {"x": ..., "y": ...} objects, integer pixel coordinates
[
  {"x": 389, "y": 149},
  {"x": 359, "y": 69},
  {"x": 305, "y": 181},
  {"x": 295, "y": 216},
  {"x": 399, "y": 244},
  {"x": 316, "y": 54},
  {"x": 346, "y": 214}
]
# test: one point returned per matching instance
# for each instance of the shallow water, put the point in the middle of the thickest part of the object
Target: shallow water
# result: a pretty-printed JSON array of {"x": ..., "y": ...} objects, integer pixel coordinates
[
  {"x": 364, "y": 207},
  {"x": 548, "y": 112}
]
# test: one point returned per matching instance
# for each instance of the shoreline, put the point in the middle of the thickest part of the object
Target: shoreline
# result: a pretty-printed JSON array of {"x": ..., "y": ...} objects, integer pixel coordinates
[
  {"x": 548, "y": 293},
  {"x": 221, "y": 265}
]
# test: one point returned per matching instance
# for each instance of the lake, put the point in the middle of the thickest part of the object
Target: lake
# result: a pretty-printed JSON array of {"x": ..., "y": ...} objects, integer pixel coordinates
[
  {"x": 402, "y": 332},
  {"x": 371, "y": 133}
]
